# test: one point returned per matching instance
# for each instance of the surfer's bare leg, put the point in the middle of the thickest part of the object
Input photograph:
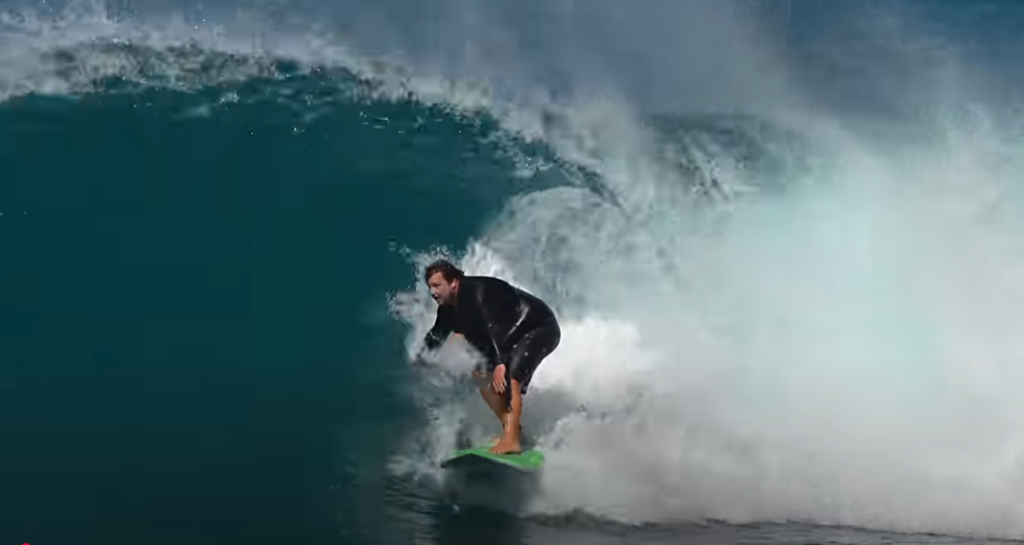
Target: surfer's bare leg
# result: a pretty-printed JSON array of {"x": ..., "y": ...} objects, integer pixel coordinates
[
  {"x": 510, "y": 440},
  {"x": 492, "y": 398}
]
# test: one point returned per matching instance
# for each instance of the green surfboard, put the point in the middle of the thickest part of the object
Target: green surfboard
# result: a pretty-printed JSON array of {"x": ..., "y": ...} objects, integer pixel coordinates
[{"x": 526, "y": 461}]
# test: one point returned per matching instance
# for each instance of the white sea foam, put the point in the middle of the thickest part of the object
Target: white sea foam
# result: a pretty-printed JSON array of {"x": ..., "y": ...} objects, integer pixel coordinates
[{"x": 845, "y": 351}]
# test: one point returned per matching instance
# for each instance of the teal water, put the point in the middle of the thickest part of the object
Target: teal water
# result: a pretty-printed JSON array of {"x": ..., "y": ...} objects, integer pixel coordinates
[{"x": 196, "y": 312}]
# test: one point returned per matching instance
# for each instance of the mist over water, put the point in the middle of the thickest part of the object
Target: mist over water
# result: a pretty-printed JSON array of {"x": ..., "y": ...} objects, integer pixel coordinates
[
  {"x": 840, "y": 351},
  {"x": 833, "y": 343}
]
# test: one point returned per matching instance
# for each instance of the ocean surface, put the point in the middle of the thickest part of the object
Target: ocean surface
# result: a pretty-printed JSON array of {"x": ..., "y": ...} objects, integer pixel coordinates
[{"x": 785, "y": 244}]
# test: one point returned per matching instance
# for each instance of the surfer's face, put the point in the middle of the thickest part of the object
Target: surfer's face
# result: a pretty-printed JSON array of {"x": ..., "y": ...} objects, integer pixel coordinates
[{"x": 442, "y": 290}]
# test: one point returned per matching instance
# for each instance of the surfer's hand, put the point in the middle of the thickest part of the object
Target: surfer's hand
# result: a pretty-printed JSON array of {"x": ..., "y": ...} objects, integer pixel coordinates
[
  {"x": 418, "y": 360},
  {"x": 499, "y": 379}
]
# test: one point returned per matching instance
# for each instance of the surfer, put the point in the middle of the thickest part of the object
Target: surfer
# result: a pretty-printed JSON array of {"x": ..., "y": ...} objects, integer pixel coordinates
[{"x": 513, "y": 329}]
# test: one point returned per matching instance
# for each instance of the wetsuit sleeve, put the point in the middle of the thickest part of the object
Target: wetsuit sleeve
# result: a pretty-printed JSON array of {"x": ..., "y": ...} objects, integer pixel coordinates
[
  {"x": 518, "y": 320},
  {"x": 498, "y": 309},
  {"x": 443, "y": 326}
]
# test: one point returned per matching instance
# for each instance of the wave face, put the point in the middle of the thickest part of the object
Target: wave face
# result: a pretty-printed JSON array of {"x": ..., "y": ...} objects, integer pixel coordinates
[{"x": 788, "y": 281}]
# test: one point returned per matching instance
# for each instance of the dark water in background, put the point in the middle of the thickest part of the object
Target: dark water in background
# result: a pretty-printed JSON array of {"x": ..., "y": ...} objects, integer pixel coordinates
[{"x": 196, "y": 340}]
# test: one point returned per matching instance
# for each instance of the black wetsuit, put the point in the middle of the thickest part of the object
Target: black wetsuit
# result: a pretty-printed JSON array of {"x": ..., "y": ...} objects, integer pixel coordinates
[{"x": 506, "y": 324}]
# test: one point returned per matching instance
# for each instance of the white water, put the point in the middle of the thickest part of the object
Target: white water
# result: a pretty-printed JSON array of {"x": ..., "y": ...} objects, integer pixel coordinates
[{"x": 846, "y": 351}]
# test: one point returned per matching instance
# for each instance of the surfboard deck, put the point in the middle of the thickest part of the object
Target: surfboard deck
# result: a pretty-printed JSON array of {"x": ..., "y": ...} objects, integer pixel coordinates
[{"x": 527, "y": 461}]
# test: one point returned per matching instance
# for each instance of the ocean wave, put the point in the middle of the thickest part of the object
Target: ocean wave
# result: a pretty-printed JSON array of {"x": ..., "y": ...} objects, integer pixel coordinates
[{"x": 766, "y": 317}]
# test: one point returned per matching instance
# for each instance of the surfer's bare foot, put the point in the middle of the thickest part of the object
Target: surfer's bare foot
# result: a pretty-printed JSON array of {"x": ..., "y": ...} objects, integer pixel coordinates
[
  {"x": 506, "y": 445},
  {"x": 497, "y": 438}
]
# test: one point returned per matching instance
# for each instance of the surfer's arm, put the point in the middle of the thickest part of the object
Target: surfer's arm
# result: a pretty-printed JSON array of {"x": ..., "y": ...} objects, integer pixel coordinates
[
  {"x": 492, "y": 325},
  {"x": 438, "y": 334},
  {"x": 498, "y": 307},
  {"x": 443, "y": 326},
  {"x": 519, "y": 324}
]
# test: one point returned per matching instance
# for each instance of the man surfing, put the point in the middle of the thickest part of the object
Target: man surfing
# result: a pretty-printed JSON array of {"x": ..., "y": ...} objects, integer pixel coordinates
[{"x": 514, "y": 331}]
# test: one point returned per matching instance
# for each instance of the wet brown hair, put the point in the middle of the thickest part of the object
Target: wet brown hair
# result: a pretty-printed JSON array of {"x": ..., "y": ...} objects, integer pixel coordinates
[{"x": 448, "y": 271}]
